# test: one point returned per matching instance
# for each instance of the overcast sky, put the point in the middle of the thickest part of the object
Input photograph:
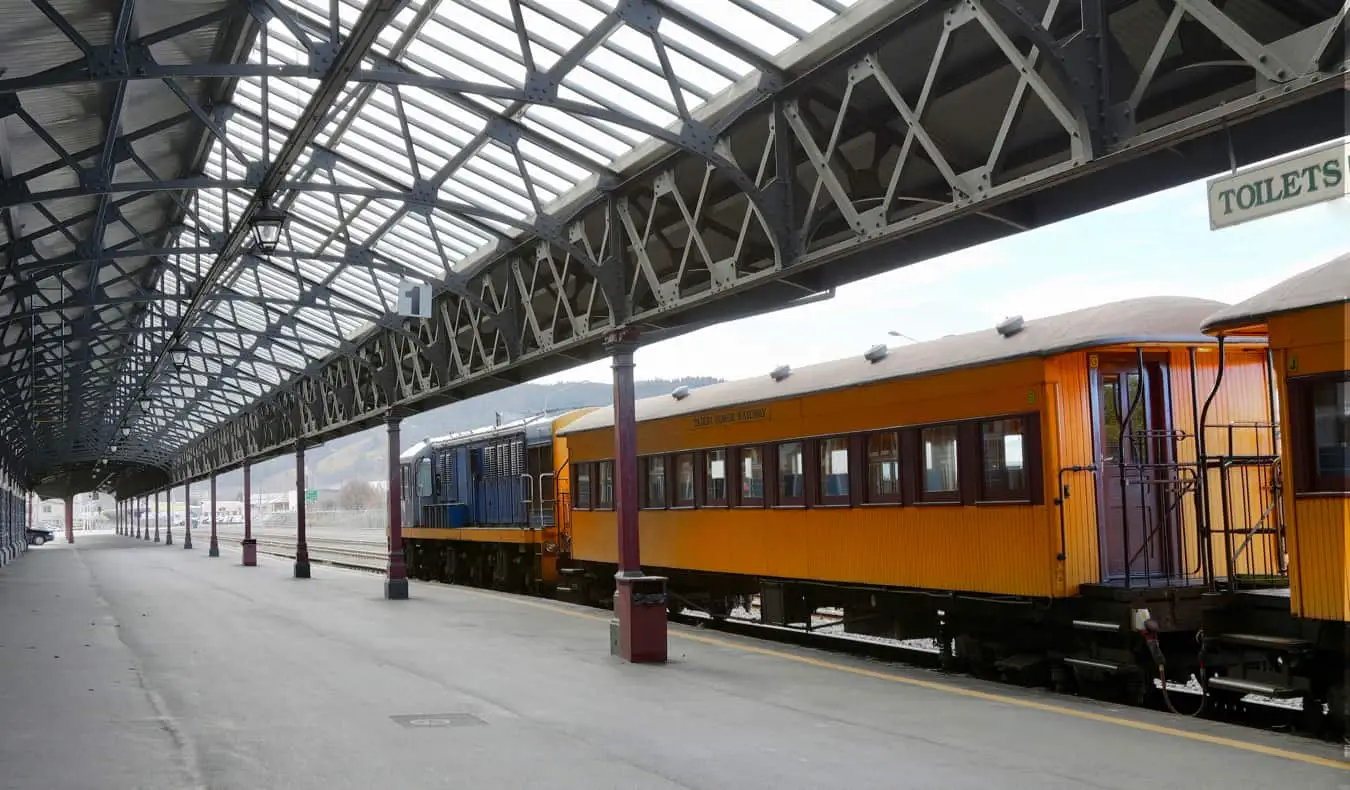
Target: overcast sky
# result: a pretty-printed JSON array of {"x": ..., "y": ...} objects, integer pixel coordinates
[{"x": 1157, "y": 245}]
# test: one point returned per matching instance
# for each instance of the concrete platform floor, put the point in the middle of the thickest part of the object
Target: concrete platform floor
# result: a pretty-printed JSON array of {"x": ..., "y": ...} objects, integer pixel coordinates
[{"x": 134, "y": 665}]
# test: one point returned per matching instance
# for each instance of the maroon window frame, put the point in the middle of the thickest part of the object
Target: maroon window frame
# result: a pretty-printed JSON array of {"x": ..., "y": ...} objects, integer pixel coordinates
[
  {"x": 882, "y": 449},
  {"x": 826, "y": 448},
  {"x": 1318, "y": 412},
  {"x": 750, "y": 493},
  {"x": 790, "y": 485},
  {"x": 941, "y": 436},
  {"x": 680, "y": 494},
  {"x": 604, "y": 469},
  {"x": 583, "y": 496},
  {"x": 713, "y": 494},
  {"x": 1005, "y": 467}
]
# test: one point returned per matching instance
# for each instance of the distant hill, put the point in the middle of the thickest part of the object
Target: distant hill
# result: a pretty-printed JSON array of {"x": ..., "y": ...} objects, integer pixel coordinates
[{"x": 361, "y": 456}]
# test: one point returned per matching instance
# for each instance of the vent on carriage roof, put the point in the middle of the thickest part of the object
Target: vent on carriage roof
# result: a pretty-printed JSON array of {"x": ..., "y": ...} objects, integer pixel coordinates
[
  {"x": 876, "y": 353},
  {"x": 1011, "y": 326},
  {"x": 681, "y": 392},
  {"x": 781, "y": 372}
]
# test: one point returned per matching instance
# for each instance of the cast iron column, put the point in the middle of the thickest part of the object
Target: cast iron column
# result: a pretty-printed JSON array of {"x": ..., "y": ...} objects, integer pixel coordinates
[
  {"x": 146, "y": 536},
  {"x": 396, "y": 586},
  {"x": 157, "y": 517},
  {"x": 213, "y": 550},
  {"x": 250, "y": 545},
  {"x": 168, "y": 520},
  {"x": 301, "y": 547},
  {"x": 639, "y": 635},
  {"x": 187, "y": 522},
  {"x": 70, "y": 519}
]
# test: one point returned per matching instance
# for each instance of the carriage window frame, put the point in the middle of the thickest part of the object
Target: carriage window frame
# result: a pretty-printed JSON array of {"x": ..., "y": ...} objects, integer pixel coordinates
[
  {"x": 741, "y": 499},
  {"x": 781, "y": 499},
  {"x": 600, "y": 501},
  {"x": 647, "y": 463},
  {"x": 583, "y": 494},
  {"x": 919, "y": 466},
  {"x": 999, "y": 492},
  {"x": 709, "y": 499},
  {"x": 1308, "y": 481},
  {"x": 676, "y": 494},
  {"x": 872, "y": 496},
  {"x": 823, "y": 451}
]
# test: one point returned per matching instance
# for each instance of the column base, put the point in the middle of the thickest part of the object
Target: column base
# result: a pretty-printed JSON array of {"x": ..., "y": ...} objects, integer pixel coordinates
[
  {"x": 168, "y": 540},
  {"x": 187, "y": 543},
  {"x": 396, "y": 589},
  {"x": 302, "y": 569},
  {"x": 250, "y": 552},
  {"x": 157, "y": 540},
  {"x": 638, "y": 632},
  {"x": 213, "y": 550}
]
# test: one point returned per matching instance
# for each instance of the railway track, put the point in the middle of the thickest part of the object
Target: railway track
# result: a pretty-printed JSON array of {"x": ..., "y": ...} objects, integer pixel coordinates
[{"x": 370, "y": 555}]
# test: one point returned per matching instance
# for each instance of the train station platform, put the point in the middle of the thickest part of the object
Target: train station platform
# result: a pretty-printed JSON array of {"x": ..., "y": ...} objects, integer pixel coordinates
[{"x": 132, "y": 665}]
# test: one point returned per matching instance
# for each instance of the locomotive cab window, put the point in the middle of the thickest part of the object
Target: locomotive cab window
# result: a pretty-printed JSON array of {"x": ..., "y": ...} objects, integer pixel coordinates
[
  {"x": 604, "y": 485},
  {"x": 834, "y": 488},
  {"x": 883, "y": 467},
  {"x": 424, "y": 477},
  {"x": 715, "y": 475},
  {"x": 941, "y": 481},
  {"x": 791, "y": 477},
  {"x": 1003, "y": 472}
]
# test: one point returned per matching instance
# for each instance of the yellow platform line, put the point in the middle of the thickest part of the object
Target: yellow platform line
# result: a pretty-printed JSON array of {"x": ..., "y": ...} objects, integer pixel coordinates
[{"x": 1159, "y": 729}]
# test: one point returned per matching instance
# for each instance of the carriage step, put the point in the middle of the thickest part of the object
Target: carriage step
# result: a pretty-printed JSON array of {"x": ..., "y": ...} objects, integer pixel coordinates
[
  {"x": 1099, "y": 665},
  {"x": 1253, "y": 687},
  {"x": 1096, "y": 625},
  {"x": 571, "y": 571},
  {"x": 1263, "y": 641}
]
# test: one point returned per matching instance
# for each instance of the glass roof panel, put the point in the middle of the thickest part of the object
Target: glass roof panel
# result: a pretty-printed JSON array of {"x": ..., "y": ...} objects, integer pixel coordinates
[{"x": 352, "y": 236}]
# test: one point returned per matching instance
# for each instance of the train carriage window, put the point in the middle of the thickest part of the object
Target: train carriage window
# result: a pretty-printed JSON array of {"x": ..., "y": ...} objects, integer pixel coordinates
[
  {"x": 604, "y": 485},
  {"x": 685, "y": 489},
  {"x": 581, "y": 498},
  {"x": 751, "y": 477},
  {"x": 941, "y": 482},
  {"x": 715, "y": 474},
  {"x": 790, "y": 474},
  {"x": 655, "y": 494},
  {"x": 1321, "y": 435},
  {"x": 1003, "y": 471},
  {"x": 833, "y": 484},
  {"x": 883, "y": 467}
]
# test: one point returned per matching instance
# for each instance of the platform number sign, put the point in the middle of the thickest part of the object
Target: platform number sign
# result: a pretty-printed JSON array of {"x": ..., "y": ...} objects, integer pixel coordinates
[{"x": 414, "y": 299}]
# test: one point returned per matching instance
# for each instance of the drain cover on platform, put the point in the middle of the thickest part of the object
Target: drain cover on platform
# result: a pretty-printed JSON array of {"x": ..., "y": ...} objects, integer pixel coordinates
[{"x": 438, "y": 720}]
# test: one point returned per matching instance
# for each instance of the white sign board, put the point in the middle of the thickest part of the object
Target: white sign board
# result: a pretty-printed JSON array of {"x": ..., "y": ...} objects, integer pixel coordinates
[
  {"x": 414, "y": 299},
  {"x": 1310, "y": 177}
]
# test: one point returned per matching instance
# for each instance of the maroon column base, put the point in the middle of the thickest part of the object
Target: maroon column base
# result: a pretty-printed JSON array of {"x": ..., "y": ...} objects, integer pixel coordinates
[
  {"x": 640, "y": 605},
  {"x": 250, "y": 552}
]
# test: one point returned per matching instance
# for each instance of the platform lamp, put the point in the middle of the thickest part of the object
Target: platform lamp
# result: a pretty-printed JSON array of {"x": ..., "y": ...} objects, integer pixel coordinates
[{"x": 267, "y": 224}]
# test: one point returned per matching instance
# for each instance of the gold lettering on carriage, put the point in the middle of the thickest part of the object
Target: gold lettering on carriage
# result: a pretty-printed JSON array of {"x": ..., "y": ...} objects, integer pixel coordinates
[{"x": 729, "y": 417}]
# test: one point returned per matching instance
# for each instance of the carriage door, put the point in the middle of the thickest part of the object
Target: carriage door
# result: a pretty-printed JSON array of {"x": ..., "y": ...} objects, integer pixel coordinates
[
  {"x": 1128, "y": 524},
  {"x": 539, "y": 470}
]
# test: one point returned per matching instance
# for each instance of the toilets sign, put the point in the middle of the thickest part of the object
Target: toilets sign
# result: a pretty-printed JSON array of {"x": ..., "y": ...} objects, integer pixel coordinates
[{"x": 1310, "y": 177}]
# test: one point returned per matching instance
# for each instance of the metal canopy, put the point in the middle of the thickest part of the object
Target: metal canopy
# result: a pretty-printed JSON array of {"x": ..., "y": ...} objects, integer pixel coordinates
[{"x": 553, "y": 168}]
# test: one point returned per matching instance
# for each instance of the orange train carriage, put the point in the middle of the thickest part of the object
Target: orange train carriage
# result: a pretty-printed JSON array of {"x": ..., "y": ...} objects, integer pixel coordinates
[
  {"x": 1051, "y": 497},
  {"x": 1295, "y": 640}
]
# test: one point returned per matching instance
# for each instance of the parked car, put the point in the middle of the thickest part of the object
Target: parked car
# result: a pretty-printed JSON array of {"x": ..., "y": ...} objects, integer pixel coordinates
[{"x": 38, "y": 536}]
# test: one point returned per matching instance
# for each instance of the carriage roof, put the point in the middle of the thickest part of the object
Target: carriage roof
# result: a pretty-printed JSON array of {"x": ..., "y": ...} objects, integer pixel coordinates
[{"x": 1147, "y": 320}]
